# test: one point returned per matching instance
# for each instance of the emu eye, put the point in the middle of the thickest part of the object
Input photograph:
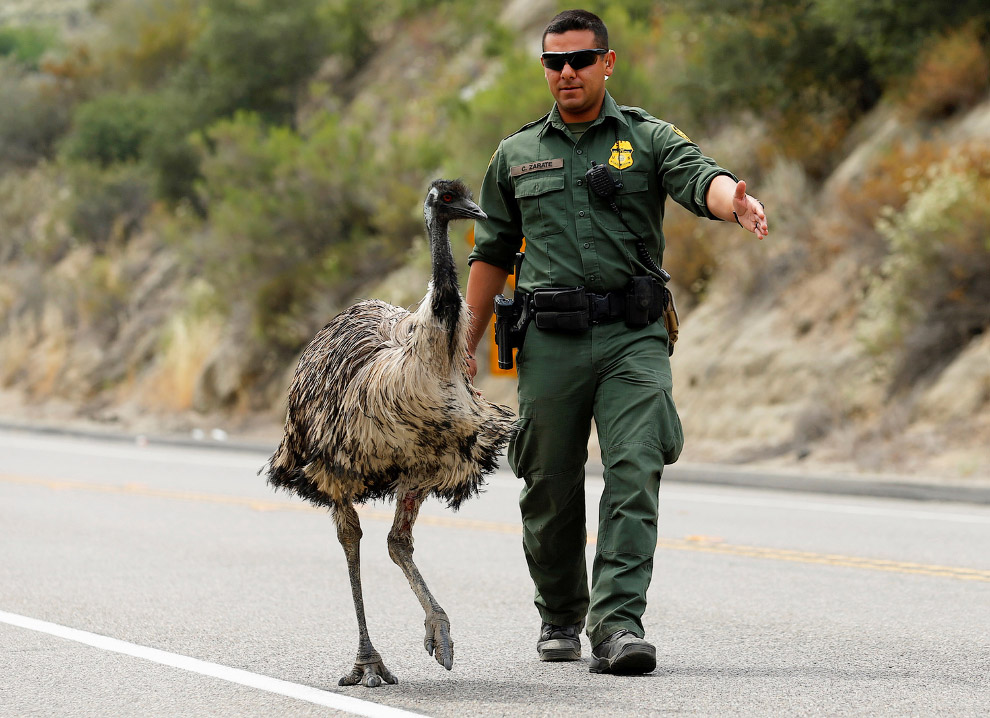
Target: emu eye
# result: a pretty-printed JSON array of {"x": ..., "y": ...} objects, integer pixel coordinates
[{"x": 447, "y": 198}]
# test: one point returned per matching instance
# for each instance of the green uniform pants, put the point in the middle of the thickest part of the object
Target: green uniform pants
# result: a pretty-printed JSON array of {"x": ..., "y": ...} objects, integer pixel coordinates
[{"x": 621, "y": 377}]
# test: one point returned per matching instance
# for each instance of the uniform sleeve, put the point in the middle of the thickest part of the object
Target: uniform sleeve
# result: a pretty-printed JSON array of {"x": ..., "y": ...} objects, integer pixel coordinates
[
  {"x": 498, "y": 238},
  {"x": 684, "y": 171}
]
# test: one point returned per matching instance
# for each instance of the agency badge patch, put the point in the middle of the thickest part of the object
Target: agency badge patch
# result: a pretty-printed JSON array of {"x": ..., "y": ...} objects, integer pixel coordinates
[
  {"x": 677, "y": 131},
  {"x": 621, "y": 155}
]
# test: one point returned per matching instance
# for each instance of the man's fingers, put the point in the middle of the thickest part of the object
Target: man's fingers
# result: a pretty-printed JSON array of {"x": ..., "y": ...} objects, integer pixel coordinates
[{"x": 750, "y": 210}]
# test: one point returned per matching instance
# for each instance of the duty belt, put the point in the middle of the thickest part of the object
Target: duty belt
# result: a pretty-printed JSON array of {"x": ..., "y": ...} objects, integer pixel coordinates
[{"x": 574, "y": 309}]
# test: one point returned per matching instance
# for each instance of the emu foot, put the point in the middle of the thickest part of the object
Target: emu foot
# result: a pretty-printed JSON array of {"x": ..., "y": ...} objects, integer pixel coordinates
[
  {"x": 438, "y": 642},
  {"x": 369, "y": 672}
]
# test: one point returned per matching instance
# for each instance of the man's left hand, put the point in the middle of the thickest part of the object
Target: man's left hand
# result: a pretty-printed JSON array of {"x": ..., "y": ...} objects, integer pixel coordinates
[{"x": 749, "y": 212}]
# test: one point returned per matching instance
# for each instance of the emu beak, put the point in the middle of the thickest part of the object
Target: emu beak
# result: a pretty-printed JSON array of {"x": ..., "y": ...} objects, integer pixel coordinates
[{"x": 467, "y": 209}]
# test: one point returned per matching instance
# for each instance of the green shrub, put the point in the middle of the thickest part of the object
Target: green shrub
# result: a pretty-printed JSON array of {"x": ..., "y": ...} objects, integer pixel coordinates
[
  {"x": 107, "y": 205},
  {"x": 26, "y": 45},
  {"x": 288, "y": 217},
  {"x": 145, "y": 43},
  {"x": 891, "y": 34},
  {"x": 169, "y": 149},
  {"x": 34, "y": 114},
  {"x": 255, "y": 55},
  {"x": 781, "y": 61},
  {"x": 155, "y": 129},
  {"x": 110, "y": 128},
  {"x": 931, "y": 294}
]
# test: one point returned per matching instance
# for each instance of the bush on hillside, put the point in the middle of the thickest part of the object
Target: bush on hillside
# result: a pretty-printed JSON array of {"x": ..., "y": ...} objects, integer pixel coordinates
[
  {"x": 170, "y": 149},
  {"x": 892, "y": 34},
  {"x": 26, "y": 45},
  {"x": 107, "y": 206},
  {"x": 254, "y": 56},
  {"x": 779, "y": 60},
  {"x": 291, "y": 219},
  {"x": 931, "y": 294},
  {"x": 34, "y": 114},
  {"x": 110, "y": 128},
  {"x": 146, "y": 42},
  {"x": 953, "y": 75},
  {"x": 26, "y": 201}
]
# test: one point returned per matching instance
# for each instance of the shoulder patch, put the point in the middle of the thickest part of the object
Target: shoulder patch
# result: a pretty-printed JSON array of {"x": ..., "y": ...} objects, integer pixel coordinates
[{"x": 680, "y": 134}]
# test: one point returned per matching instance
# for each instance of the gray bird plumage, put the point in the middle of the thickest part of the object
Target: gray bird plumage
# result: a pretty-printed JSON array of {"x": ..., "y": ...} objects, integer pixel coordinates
[{"x": 381, "y": 405}]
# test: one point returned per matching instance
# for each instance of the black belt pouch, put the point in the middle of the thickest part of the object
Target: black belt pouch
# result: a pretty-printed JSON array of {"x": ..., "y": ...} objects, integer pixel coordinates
[{"x": 572, "y": 299}]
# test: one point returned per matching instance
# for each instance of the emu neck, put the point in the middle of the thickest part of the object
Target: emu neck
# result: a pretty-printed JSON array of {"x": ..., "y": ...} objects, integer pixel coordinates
[{"x": 446, "y": 296}]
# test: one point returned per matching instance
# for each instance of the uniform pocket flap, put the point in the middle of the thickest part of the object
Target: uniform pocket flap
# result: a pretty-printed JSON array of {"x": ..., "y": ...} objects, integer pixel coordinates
[
  {"x": 634, "y": 182},
  {"x": 537, "y": 185}
]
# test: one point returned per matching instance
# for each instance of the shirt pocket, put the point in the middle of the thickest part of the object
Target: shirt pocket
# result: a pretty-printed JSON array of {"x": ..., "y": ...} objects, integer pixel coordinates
[
  {"x": 541, "y": 204},
  {"x": 633, "y": 200}
]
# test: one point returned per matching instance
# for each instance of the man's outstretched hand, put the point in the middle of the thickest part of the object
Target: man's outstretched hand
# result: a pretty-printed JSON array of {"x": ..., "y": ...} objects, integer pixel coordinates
[{"x": 749, "y": 211}]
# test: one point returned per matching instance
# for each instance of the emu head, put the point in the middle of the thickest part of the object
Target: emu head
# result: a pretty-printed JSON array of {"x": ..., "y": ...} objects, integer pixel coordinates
[{"x": 447, "y": 200}]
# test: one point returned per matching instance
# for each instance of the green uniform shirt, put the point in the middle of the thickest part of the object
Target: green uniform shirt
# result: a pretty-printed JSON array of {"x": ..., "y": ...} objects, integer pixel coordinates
[{"x": 535, "y": 188}]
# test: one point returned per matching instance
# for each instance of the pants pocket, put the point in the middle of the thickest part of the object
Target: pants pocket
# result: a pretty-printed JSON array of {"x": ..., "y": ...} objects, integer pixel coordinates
[{"x": 671, "y": 431}]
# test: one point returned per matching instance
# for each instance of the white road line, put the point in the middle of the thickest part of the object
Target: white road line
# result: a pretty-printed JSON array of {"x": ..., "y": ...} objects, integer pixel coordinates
[
  {"x": 355, "y": 706},
  {"x": 824, "y": 506}
]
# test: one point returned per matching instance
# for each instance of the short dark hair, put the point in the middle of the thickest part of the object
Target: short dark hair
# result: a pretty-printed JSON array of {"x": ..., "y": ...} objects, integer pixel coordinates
[{"x": 578, "y": 20}]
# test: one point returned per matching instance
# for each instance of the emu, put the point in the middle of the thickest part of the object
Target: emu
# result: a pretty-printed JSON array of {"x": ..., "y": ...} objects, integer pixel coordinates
[{"x": 381, "y": 405}]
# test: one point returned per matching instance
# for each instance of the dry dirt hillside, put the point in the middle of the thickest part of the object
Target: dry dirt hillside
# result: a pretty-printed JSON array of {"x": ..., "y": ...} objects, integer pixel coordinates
[
  {"x": 777, "y": 365},
  {"x": 777, "y": 369}
]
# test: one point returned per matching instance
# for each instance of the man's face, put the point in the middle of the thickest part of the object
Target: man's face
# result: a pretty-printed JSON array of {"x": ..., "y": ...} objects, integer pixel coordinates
[{"x": 579, "y": 93}]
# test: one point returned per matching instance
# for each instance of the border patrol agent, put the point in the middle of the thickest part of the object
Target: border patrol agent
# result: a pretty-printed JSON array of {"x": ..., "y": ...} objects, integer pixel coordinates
[{"x": 588, "y": 359}]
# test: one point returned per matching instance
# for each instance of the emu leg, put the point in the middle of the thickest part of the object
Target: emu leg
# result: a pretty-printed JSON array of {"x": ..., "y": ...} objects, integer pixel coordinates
[
  {"x": 400, "y": 548},
  {"x": 368, "y": 667}
]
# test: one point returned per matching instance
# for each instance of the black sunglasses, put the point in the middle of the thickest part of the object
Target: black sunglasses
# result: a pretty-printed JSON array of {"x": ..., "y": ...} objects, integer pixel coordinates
[{"x": 576, "y": 59}]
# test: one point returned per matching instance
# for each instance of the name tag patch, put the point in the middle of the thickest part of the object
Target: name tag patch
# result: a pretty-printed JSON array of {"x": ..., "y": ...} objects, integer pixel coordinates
[{"x": 518, "y": 170}]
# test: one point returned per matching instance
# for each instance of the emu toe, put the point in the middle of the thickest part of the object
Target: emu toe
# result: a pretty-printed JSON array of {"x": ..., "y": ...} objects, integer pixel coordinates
[
  {"x": 369, "y": 674},
  {"x": 438, "y": 642}
]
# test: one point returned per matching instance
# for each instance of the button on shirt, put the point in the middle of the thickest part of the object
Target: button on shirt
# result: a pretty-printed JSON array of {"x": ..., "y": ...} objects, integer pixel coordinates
[{"x": 535, "y": 188}]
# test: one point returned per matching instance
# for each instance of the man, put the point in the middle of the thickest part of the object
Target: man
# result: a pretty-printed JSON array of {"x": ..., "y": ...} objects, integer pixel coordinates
[{"x": 616, "y": 370}]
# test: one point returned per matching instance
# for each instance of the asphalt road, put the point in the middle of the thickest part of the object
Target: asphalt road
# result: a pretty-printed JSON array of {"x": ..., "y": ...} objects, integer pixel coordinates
[{"x": 172, "y": 581}]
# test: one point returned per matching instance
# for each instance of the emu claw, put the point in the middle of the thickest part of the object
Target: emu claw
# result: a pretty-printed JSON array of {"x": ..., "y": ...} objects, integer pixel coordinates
[
  {"x": 369, "y": 673},
  {"x": 438, "y": 642}
]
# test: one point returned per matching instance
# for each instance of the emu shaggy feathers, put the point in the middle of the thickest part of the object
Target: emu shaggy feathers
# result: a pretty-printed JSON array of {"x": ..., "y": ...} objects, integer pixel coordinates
[
  {"x": 381, "y": 399},
  {"x": 378, "y": 401},
  {"x": 381, "y": 405}
]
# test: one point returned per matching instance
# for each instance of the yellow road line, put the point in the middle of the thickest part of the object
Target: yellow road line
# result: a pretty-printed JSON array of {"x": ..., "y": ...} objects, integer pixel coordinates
[{"x": 700, "y": 544}]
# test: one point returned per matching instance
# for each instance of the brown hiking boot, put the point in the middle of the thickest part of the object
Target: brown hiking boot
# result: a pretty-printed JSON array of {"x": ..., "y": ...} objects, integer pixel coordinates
[{"x": 623, "y": 653}]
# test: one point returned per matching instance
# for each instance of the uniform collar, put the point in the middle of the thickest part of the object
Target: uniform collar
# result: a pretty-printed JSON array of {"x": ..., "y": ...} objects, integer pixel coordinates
[{"x": 609, "y": 109}]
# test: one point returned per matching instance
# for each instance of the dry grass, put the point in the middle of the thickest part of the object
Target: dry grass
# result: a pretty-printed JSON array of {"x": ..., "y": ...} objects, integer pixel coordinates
[
  {"x": 188, "y": 343},
  {"x": 890, "y": 179}
]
